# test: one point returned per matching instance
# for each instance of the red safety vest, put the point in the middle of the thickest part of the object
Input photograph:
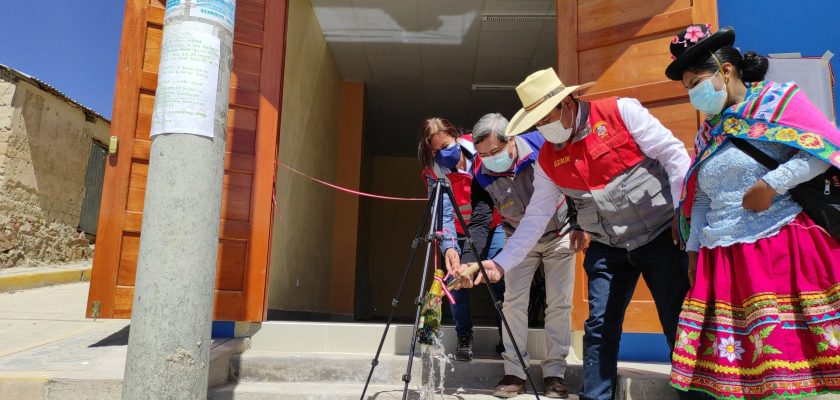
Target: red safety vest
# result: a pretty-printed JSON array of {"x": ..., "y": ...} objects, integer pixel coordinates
[{"x": 604, "y": 154}]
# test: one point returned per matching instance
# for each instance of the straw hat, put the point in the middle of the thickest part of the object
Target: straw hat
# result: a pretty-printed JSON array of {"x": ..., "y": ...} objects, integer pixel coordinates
[{"x": 539, "y": 93}]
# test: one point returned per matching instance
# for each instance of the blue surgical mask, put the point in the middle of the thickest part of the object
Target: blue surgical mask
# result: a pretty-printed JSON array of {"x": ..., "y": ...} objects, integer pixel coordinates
[
  {"x": 449, "y": 156},
  {"x": 498, "y": 163},
  {"x": 706, "y": 99}
]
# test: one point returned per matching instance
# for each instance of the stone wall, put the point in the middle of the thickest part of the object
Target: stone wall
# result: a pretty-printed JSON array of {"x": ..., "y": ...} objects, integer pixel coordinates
[{"x": 44, "y": 149}]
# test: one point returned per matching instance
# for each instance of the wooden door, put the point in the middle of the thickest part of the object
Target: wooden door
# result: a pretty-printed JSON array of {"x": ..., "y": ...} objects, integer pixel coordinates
[
  {"x": 253, "y": 123},
  {"x": 623, "y": 46}
]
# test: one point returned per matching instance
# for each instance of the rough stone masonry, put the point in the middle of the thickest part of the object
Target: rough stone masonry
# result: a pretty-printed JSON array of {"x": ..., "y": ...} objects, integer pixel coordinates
[{"x": 45, "y": 141}]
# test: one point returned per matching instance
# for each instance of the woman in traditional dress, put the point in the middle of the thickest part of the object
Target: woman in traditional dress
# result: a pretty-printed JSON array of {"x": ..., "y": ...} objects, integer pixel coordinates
[{"x": 762, "y": 319}]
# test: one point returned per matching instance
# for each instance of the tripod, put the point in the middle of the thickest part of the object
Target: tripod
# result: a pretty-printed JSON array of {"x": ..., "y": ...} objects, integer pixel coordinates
[{"x": 434, "y": 224}]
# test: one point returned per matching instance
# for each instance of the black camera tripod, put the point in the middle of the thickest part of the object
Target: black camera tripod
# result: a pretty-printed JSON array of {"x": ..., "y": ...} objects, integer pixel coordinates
[{"x": 434, "y": 221}]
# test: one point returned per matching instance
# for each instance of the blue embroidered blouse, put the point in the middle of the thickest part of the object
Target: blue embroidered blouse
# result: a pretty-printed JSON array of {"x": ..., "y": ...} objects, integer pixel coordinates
[{"x": 719, "y": 219}]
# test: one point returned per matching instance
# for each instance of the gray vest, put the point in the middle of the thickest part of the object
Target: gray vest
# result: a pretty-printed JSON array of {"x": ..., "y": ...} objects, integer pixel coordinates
[
  {"x": 630, "y": 211},
  {"x": 511, "y": 195}
]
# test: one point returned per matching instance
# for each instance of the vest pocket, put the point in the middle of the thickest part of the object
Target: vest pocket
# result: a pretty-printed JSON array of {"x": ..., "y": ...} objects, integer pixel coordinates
[
  {"x": 649, "y": 204},
  {"x": 587, "y": 218}
]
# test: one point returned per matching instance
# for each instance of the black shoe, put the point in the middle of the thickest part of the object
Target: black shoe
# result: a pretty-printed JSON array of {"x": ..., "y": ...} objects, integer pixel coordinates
[
  {"x": 500, "y": 347},
  {"x": 465, "y": 346}
]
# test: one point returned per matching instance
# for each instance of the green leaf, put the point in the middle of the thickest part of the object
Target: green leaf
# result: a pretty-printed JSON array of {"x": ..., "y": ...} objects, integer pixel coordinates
[
  {"x": 694, "y": 335},
  {"x": 755, "y": 356},
  {"x": 711, "y": 337},
  {"x": 766, "y": 331},
  {"x": 817, "y": 330},
  {"x": 768, "y": 349},
  {"x": 822, "y": 346},
  {"x": 709, "y": 351},
  {"x": 691, "y": 350},
  {"x": 752, "y": 338}
]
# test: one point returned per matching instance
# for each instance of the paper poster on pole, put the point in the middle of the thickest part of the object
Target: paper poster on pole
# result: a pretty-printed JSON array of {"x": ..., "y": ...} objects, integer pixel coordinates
[
  {"x": 185, "y": 100},
  {"x": 221, "y": 11}
]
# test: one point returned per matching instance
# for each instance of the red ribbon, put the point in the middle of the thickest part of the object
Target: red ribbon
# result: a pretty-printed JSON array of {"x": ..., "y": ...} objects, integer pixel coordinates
[
  {"x": 445, "y": 289},
  {"x": 351, "y": 191}
]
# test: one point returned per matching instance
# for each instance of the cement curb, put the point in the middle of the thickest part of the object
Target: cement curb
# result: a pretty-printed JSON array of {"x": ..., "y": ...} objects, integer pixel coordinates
[{"x": 21, "y": 281}]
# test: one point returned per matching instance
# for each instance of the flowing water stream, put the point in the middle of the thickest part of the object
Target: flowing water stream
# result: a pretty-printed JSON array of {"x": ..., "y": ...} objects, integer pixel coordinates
[{"x": 434, "y": 364}]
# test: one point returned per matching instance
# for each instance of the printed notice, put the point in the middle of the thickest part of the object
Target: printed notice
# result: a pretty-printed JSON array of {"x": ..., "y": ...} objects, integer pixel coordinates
[
  {"x": 185, "y": 100},
  {"x": 221, "y": 11}
]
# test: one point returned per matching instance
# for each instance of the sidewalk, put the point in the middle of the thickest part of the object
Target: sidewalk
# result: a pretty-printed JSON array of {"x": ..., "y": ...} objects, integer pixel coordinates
[
  {"x": 50, "y": 351},
  {"x": 46, "y": 340}
]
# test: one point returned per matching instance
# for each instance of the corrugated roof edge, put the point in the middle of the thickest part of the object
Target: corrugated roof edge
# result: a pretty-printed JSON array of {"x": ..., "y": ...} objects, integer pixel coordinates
[{"x": 49, "y": 88}]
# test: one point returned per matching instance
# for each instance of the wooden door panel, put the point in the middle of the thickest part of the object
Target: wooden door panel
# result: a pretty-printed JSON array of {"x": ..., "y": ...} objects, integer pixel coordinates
[
  {"x": 137, "y": 187},
  {"x": 144, "y": 116},
  {"x": 246, "y": 58},
  {"x": 245, "y": 81},
  {"x": 605, "y": 14},
  {"x": 151, "y": 52},
  {"x": 249, "y": 13},
  {"x": 253, "y": 121},
  {"x": 623, "y": 46},
  {"x": 129, "y": 249},
  {"x": 230, "y": 274},
  {"x": 236, "y": 198},
  {"x": 619, "y": 33},
  {"x": 641, "y": 315},
  {"x": 624, "y": 64},
  {"x": 679, "y": 116}
]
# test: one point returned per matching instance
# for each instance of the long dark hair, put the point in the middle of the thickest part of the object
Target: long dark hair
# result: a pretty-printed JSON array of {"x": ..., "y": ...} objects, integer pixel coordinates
[
  {"x": 751, "y": 67},
  {"x": 430, "y": 127}
]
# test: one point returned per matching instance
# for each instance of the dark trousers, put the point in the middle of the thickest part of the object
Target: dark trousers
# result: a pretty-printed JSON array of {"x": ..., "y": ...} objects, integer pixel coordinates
[
  {"x": 461, "y": 309},
  {"x": 612, "y": 274}
]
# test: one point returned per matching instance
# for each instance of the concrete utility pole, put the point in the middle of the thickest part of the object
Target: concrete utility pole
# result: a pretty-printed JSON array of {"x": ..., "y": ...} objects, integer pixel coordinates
[{"x": 169, "y": 343}]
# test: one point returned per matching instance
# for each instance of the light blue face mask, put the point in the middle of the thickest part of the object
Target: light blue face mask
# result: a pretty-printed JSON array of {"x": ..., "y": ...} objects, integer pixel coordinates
[
  {"x": 706, "y": 99},
  {"x": 498, "y": 163}
]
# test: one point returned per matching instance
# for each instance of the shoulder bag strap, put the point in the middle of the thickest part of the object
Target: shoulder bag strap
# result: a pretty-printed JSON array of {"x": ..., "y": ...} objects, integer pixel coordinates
[{"x": 755, "y": 153}]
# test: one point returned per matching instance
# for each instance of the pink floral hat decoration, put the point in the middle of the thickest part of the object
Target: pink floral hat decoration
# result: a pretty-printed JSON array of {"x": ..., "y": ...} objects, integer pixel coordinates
[{"x": 695, "y": 42}]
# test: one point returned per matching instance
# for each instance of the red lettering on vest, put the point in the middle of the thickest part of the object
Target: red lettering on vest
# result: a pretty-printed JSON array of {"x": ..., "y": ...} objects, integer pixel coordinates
[{"x": 605, "y": 153}]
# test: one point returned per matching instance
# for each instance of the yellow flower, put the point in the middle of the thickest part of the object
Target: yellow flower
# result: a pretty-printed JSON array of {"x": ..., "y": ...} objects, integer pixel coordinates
[
  {"x": 786, "y": 134},
  {"x": 811, "y": 141},
  {"x": 734, "y": 125}
]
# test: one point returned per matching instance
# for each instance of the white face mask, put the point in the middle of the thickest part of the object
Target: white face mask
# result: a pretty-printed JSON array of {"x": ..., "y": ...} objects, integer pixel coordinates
[
  {"x": 555, "y": 132},
  {"x": 706, "y": 99}
]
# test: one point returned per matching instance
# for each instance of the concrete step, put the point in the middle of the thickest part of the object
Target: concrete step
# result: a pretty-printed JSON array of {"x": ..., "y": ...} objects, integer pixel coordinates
[
  {"x": 363, "y": 338},
  {"x": 320, "y": 391},
  {"x": 354, "y": 369},
  {"x": 636, "y": 380}
]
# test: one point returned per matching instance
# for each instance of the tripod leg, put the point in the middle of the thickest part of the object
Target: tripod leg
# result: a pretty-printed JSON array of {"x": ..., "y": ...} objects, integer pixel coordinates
[
  {"x": 496, "y": 303},
  {"x": 396, "y": 300},
  {"x": 412, "y": 349},
  {"x": 432, "y": 230}
]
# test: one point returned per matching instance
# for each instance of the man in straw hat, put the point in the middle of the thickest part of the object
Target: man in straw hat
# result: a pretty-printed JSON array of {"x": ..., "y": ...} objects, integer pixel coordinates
[{"x": 623, "y": 170}]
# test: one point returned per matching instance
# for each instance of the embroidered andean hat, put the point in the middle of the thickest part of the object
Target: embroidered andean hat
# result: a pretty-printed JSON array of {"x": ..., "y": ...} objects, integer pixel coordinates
[{"x": 695, "y": 42}]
